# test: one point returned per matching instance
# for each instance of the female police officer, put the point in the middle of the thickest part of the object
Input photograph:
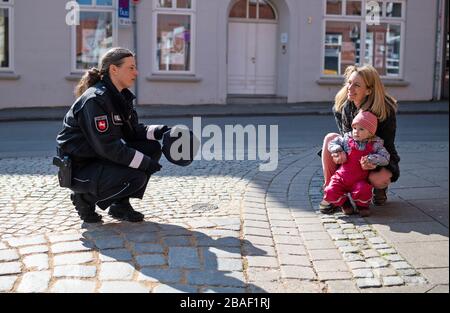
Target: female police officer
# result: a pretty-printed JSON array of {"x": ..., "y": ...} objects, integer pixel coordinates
[{"x": 112, "y": 156}]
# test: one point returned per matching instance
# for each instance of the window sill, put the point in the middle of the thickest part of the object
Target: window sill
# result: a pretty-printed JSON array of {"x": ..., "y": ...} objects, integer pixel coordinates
[
  {"x": 9, "y": 76},
  {"x": 174, "y": 78},
  {"x": 74, "y": 76},
  {"x": 389, "y": 82}
]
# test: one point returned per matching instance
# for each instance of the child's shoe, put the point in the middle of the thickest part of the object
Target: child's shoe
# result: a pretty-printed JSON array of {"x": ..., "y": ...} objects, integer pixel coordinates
[
  {"x": 325, "y": 207},
  {"x": 347, "y": 208}
]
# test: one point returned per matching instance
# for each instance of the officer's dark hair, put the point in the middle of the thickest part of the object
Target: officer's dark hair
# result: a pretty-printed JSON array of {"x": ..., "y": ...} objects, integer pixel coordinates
[{"x": 114, "y": 56}]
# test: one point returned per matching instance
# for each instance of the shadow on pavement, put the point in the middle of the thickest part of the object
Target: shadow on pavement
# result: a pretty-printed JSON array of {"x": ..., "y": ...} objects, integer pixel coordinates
[
  {"x": 392, "y": 217},
  {"x": 180, "y": 259}
]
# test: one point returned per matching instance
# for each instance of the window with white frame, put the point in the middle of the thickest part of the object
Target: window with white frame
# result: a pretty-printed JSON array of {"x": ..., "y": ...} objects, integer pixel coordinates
[
  {"x": 363, "y": 32},
  {"x": 174, "y": 36},
  {"x": 95, "y": 34},
  {"x": 6, "y": 11},
  {"x": 253, "y": 9}
]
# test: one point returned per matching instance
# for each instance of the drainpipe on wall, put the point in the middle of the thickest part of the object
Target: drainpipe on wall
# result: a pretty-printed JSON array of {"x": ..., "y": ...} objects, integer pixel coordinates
[
  {"x": 135, "y": 47},
  {"x": 438, "y": 57}
]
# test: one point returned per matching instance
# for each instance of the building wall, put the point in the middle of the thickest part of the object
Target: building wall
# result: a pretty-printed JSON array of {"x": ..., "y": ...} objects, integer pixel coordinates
[
  {"x": 43, "y": 41},
  {"x": 41, "y": 56},
  {"x": 420, "y": 50}
]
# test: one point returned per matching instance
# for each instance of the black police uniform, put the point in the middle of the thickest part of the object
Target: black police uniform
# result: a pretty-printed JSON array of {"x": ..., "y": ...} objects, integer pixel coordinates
[{"x": 112, "y": 154}]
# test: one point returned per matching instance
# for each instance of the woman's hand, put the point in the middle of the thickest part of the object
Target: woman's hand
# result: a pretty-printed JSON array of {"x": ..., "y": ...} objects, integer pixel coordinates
[
  {"x": 339, "y": 157},
  {"x": 366, "y": 164}
]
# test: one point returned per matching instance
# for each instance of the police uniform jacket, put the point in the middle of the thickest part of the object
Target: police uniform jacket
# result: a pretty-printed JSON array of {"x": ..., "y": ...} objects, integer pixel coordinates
[{"x": 100, "y": 123}]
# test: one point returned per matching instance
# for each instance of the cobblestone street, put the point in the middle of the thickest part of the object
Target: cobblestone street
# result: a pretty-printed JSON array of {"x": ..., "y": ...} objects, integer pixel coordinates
[{"x": 226, "y": 227}]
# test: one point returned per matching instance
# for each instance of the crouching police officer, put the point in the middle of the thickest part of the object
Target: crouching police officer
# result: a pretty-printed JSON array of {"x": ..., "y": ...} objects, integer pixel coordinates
[{"x": 105, "y": 156}]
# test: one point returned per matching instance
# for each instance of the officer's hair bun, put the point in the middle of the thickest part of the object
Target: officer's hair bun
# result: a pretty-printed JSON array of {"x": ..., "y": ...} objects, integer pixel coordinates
[
  {"x": 90, "y": 78},
  {"x": 94, "y": 72}
]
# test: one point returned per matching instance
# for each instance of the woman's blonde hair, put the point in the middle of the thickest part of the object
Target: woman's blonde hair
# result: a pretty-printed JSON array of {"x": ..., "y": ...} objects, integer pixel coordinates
[{"x": 379, "y": 102}]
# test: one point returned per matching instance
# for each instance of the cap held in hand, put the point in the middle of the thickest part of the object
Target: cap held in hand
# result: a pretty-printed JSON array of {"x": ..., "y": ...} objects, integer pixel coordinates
[{"x": 180, "y": 145}]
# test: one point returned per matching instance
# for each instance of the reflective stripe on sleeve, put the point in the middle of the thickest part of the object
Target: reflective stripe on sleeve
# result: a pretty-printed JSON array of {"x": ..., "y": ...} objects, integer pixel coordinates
[
  {"x": 137, "y": 160},
  {"x": 151, "y": 132}
]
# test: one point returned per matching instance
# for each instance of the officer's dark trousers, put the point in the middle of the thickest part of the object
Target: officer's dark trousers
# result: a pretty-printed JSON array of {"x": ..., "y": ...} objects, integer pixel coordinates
[{"x": 103, "y": 182}]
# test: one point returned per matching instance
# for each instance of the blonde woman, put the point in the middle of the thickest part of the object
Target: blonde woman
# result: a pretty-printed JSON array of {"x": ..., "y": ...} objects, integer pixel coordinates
[{"x": 363, "y": 91}]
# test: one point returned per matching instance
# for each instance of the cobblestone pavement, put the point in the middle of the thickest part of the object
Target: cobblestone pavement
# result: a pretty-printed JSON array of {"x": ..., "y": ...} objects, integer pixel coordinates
[{"x": 226, "y": 227}]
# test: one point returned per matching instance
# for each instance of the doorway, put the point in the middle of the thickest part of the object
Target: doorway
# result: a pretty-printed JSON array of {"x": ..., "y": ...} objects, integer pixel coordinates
[{"x": 252, "y": 48}]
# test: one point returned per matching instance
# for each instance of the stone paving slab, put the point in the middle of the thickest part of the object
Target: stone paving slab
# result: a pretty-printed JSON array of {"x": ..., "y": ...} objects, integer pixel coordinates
[
  {"x": 413, "y": 232},
  {"x": 433, "y": 254},
  {"x": 438, "y": 276},
  {"x": 229, "y": 228},
  {"x": 439, "y": 289},
  {"x": 73, "y": 286}
]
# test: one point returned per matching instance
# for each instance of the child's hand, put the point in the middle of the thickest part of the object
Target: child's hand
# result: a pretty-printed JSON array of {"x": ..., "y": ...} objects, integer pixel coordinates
[
  {"x": 339, "y": 157},
  {"x": 366, "y": 164}
]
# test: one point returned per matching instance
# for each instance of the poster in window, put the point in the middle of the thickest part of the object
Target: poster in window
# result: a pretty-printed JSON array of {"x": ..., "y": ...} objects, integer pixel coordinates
[
  {"x": 92, "y": 40},
  {"x": 173, "y": 47},
  {"x": 378, "y": 62},
  {"x": 2, "y": 41},
  {"x": 179, "y": 47},
  {"x": 348, "y": 47},
  {"x": 379, "y": 38},
  {"x": 166, "y": 44}
]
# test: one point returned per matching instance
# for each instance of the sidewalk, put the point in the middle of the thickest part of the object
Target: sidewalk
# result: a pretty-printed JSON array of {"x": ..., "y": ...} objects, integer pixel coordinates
[
  {"x": 155, "y": 111},
  {"x": 226, "y": 227}
]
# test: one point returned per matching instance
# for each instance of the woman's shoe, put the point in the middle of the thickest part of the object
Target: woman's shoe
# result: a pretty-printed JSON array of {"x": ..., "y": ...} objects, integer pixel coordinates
[
  {"x": 379, "y": 197},
  {"x": 363, "y": 211}
]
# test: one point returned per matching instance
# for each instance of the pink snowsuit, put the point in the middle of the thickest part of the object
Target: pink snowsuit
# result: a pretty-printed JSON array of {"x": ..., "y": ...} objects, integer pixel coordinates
[{"x": 351, "y": 178}]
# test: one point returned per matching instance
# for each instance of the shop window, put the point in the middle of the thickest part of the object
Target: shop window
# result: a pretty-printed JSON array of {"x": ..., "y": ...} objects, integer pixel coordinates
[
  {"x": 174, "y": 36},
  {"x": 393, "y": 9},
  {"x": 174, "y": 4},
  {"x": 5, "y": 35},
  {"x": 342, "y": 41},
  {"x": 353, "y": 8},
  {"x": 334, "y": 7},
  {"x": 96, "y": 2},
  {"x": 348, "y": 21},
  {"x": 383, "y": 48},
  {"x": 95, "y": 34}
]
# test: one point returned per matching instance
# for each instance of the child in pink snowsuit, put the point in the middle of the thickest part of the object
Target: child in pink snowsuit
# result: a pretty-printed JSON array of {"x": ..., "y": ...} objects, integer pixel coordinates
[{"x": 350, "y": 178}]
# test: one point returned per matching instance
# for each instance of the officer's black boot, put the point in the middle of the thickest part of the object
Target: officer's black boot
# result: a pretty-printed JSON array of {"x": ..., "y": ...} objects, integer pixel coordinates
[
  {"x": 123, "y": 210},
  {"x": 85, "y": 210}
]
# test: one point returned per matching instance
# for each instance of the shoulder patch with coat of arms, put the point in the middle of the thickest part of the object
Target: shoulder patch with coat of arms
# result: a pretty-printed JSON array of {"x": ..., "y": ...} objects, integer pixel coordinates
[{"x": 101, "y": 123}]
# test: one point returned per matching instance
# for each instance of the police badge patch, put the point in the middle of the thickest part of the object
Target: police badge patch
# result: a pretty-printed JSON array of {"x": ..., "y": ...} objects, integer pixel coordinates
[
  {"x": 116, "y": 119},
  {"x": 101, "y": 123}
]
